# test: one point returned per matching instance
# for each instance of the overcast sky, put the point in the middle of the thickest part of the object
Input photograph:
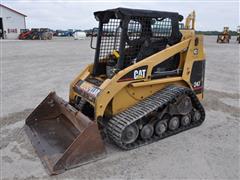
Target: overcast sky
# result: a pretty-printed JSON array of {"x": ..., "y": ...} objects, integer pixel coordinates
[{"x": 73, "y": 14}]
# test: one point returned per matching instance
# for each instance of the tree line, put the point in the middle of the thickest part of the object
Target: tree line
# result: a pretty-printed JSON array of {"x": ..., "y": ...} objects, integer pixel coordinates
[{"x": 232, "y": 33}]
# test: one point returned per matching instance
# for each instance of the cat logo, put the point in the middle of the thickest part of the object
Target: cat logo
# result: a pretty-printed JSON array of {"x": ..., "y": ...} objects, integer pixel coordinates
[
  {"x": 135, "y": 74},
  {"x": 139, "y": 74}
]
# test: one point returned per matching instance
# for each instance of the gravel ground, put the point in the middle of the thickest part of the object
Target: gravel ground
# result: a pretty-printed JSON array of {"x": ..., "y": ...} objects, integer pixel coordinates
[{"x": 30, "y": 69}]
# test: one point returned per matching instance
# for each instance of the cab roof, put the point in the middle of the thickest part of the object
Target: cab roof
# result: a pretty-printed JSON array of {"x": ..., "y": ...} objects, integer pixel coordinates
[{"x": 120, "y": 13}]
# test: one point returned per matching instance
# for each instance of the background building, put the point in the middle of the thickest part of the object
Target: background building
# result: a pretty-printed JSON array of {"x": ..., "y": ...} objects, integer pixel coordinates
[{"x": 11, "y": 22}]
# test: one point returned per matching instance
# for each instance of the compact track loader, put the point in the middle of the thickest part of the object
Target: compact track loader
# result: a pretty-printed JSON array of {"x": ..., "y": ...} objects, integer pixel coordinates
[
  {"x": 225, "y": 36},
  {"x": 145, "y": 84}
]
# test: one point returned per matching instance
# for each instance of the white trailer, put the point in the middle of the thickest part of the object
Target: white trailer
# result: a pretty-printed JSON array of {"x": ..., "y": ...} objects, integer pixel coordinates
[{"x": 79, "y": 35}]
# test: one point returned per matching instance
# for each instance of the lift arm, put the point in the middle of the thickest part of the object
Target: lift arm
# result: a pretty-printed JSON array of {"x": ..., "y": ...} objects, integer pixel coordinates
[{"x": 190, "y": 21}]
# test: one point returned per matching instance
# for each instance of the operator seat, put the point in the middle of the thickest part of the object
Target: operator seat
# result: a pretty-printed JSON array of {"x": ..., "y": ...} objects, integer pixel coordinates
[{"x": 152, "y": 46}]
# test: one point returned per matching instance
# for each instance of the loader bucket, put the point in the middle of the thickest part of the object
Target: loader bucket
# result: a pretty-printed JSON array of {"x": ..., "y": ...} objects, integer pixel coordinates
[{"x": 62, "y": 136}]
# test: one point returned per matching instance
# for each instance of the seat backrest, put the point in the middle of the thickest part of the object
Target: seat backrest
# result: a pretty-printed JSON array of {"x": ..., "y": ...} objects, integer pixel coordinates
[{"x": 151, "y": 47}]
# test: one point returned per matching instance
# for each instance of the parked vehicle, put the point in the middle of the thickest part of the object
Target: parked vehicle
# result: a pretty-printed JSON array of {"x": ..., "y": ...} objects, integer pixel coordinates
[
  {"x": 36, "y": 34},
  {"x": 79, "y": 35}
]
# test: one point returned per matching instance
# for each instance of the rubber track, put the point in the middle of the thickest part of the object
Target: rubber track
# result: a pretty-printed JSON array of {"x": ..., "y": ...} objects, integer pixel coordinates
[{"x": 157, "y": 101}]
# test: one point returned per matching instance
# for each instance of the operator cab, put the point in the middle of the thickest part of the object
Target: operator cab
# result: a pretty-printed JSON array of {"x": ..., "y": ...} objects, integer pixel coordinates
[{"x": 127, "y": 36}]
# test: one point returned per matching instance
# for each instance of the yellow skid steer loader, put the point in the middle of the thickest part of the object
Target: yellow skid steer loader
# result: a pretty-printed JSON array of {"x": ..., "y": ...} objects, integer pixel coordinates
[
  {"x": 145, "y": 84},
  {"x": 224, "y": 37}
]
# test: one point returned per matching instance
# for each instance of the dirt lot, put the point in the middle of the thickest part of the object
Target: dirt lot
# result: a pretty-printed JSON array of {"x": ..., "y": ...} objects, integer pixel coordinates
[{"x": 30, "y": 69}]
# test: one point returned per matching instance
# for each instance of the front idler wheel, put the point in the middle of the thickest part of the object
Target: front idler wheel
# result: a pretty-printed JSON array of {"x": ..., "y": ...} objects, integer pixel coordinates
[
  {"x": 147, "y": 131},
  {"x": 174, "y": 123},
  {"x": 130, "y": 134}
]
